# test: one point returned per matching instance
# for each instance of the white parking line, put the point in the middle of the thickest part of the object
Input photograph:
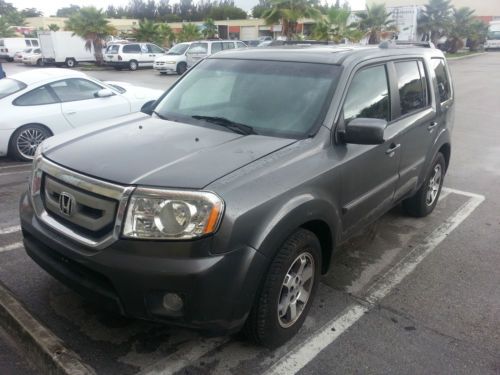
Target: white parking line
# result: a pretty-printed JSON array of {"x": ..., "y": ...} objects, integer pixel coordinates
[
  {"x": 14, "y": 166},
  {"x": 12, "y": 229},
  {"x": 306, "y": 351},
  {"x": 10, "y": 247}
]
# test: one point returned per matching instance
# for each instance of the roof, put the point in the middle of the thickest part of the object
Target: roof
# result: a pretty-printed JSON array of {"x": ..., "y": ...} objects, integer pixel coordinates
[
  {"x": 41, "y": 74},
  {"x": 328, "y": 54}
]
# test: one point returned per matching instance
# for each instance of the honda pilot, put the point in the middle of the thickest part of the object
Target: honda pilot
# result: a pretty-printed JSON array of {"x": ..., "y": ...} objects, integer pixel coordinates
[{"x": 220, "y": 207}]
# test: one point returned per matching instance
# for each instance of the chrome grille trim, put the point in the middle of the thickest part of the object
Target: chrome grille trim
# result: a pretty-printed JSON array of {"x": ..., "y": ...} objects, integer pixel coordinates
[{"x": 106, "y": 189}]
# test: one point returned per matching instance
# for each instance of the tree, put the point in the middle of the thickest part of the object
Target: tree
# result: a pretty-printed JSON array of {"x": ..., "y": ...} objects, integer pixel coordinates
[
  {"x": 147, "y": 31},
  {"x": 166, "y": 33},
  {"x": 91, "y": 24},
  {"x": 288, "y": 13},
  {"x": 260, "y": 8},
  {"x": 478, "y": 31},
  {"x": 53, "y": 27},
  {"x": 68, "y": 11},
  {"x": 188, "y": 33},
  {"x": 375, "y": 21},
  {"x": 459, "y": 29},
  {"x": 334, "y": 26},
  {"x": 6, "y": 30},
  {"x": 434, "y": 21},
  {"x": 31, "y": 12},
  {"x": 210, "y": 29}
]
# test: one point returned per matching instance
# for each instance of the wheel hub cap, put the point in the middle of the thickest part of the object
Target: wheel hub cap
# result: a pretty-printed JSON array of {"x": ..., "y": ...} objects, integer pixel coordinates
[
  {"x": 28, "y": 141},
  {"x": 434, "y": 185},
  {"x": 295, "y": 290}
]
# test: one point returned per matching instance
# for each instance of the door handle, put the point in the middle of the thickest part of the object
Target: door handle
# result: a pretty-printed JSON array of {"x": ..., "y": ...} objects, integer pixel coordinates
[
  {"x": 432, "y": 125},
  {"x": 391, "y": 150}
]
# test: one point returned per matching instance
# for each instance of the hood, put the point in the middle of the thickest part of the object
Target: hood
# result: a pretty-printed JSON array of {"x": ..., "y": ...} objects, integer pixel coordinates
[
  {"x": 138, "y": 92},
  {"x": 153, "y": 152}
]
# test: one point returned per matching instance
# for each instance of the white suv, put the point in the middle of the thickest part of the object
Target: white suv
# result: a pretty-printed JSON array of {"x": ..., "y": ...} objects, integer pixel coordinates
[
  {"x": 203, "y": 48},
  {"x": 174, "y": 61},
  {"x": 132, "y": 55}
]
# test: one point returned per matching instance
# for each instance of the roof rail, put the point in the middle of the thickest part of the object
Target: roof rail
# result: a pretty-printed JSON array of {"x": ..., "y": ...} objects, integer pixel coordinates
[
  {"x": 399, "y": 44},
  {"x": 298, "y": 42}
]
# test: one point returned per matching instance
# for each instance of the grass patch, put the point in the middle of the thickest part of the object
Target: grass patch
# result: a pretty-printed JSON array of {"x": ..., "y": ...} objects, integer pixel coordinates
[{"x": 461, "y": 54}]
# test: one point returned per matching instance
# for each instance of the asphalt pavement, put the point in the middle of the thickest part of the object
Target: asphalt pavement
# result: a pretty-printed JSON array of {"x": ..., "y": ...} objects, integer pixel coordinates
[{"x": 406, "y": 296}]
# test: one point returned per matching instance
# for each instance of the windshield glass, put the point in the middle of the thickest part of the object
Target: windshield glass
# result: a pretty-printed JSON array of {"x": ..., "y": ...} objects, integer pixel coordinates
[
  {"x": 494, "y": 35},
  {"x": 113, "y": 48},
  {"x": 178, "y": 49},
  {"x": 9, "y": 86},
  {"x": 286, "y": 99}
]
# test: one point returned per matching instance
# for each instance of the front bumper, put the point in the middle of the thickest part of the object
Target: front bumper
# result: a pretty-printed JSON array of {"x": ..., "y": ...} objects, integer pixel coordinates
[
  {"x": 118, "y": 64},
  {"x": 169, "y": 68},
  {"x": 131, "y": 277}
]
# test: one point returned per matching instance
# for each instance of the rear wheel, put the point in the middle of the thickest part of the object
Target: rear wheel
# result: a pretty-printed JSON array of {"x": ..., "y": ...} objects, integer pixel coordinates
[
  {"x": 425, "y": 199},
  {"x": 25, "y": 141},
  {"x": 288, "y": 291},
  {"x": 133, "y": 65},
  {"x": 70, "y": 63},
  {"x": 181, "y": 68}
]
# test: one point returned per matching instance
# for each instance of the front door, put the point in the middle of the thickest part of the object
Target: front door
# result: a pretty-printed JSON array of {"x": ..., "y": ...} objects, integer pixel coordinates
[{"x": 369, "y": 172}]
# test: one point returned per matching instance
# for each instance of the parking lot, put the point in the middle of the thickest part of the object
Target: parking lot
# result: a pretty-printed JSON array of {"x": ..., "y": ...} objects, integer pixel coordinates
[{"x": 407, "y": 295}]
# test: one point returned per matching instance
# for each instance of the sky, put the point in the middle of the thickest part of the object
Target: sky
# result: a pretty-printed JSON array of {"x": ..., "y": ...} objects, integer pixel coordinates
[{"x": 49, "y": 7}]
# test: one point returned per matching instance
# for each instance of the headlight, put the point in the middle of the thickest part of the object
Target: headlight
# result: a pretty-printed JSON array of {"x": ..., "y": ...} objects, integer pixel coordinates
[
  {"x": 35, "y": 181},
  {"x": 172, "y": 214},
  {"x": 169, "y": 62}
]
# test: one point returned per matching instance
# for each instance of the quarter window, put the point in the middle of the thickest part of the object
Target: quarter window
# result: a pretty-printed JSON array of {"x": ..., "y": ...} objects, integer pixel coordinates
[
  {"x": 216, "y": 47},
  {"x": 70, "y": 90},
  {"x": 443, "y": 81},
  {"x": 39, "y": 96},
  {"x": 368, "y": 95},
  {"x": 412, "y": 93}
]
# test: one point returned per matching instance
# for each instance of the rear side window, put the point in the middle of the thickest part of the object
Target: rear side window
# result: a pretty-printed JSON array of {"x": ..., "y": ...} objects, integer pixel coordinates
[
  {"x": 368, "y": 95},
  {"x": 132, "y": 48},
  {"x": 34, "y": 43},
  {"x": 198, "y": 48},
  {"x": 216, "y": 47},
  {"x": 9, "y": 86},
  {"x": 443, "y": 81},
  {"x": 412, "y": 90},
  {"x": 39, "y": 96},
  {"x": 228, "y": 45}
]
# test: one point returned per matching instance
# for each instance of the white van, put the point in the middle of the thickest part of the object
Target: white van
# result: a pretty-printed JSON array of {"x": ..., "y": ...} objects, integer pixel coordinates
[
  {"x": 132, "y": 55},
  {"x": 10, "y": 46},
  {"x": 203, "y": 48},
  {"x": 63, "y": 47},
  {"x": 174, "y": 61}
]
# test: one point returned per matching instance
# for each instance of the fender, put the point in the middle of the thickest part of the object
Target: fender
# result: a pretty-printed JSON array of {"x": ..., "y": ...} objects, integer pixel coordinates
[{"x": 443, "y": 138}]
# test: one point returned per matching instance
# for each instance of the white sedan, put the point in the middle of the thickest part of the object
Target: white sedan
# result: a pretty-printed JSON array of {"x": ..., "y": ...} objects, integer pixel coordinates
[{"x": 35, "y": 105}]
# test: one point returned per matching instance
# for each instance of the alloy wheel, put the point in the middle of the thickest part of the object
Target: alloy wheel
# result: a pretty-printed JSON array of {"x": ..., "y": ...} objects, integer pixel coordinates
[
  {"x": 28, "y": 141},
  {"x": 434, "y": 185}
]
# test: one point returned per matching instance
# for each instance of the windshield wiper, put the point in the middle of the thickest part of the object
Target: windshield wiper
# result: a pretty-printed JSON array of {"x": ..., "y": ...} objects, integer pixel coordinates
[
  {"x": 231, "y": 125},
  {"x": 161, "y": 116}
]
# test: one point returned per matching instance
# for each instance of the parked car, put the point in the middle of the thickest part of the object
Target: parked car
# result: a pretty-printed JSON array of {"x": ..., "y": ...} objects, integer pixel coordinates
[
  {"x": 33, "y": 58},
  {"x": 64, "y": 48},
  {"x": 174, "y": 61},
  {"x": 203, "y": 48},
  {"x": 252, "y": 43},
  {"x": 10, "y": 46},
  {"x": 132, "y": 55},
  {"x": 38, "y": 104},
  {"x": 222, "y": 208},
  {"x": 18, "y": 57}
]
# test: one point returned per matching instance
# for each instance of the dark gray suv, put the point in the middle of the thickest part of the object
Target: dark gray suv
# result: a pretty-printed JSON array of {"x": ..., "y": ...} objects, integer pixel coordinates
[{"x": 219, "y": 209}]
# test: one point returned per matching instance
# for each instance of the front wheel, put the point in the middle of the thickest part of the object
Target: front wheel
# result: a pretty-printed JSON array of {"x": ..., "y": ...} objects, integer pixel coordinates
[
  {"x": 70, "y": 63},
  {"x": 181, "y": 68},
  {"x": 425, "y": 199},
  {"x": 288, "y": 291},
  {"x": 25, "y": 141}
]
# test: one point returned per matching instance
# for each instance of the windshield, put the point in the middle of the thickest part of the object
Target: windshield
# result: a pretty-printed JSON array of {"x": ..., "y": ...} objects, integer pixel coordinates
[
  {"x": 9, "y": 86},
  {"x": 276, "y": 98},
  {"x": 113, "y": 48},
  {"x": 178, "y": 49},
  {"x": 494, "y": 35}
]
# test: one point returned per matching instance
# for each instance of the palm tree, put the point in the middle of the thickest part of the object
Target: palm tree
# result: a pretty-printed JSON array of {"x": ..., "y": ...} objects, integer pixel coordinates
[
  {"x": 434, "y": 21},
  {"x": 6, "y": 30},
  {"x": 165, "y": 34},
  {"x": 375, "y": 21},
  {"x": 210, "y": 29},
  {"x": 460, "y": 25},
  {"x": 477, "y": 34},
  {"x": 91, "y": 24},
  {"x": 334, "y": 27},
  {"x": 288, "y": 13},
  {"x": 53, "y": 27},
  {"x": 188, "y": 33},
  {"x": 147, "y": 31}
]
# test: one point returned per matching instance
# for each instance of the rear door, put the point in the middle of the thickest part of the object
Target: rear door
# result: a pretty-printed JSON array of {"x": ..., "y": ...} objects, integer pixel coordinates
[
  {"x": 79, "y": 103},
  {"x": 196, "y": 52},
  {"x": 415, "y": 120},
  {"x": 369, "y": 172},
  {"x": 153, "y": 52}
]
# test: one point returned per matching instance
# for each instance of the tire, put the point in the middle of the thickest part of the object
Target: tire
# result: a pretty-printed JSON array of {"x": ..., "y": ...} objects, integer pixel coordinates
[
  {"x": 40, "y": 62},
  {"x": 70, "y": 63},
  {"x": 181, "y": 68},
  {"x": 270, "y": 323},
  {"x": 133, "y": 65},
  {"x": 163, "y": 73},
  {"x": 425, "y": 199},
  {"x": 25, "y": 140},
  {"x": 9, "y": 59}
]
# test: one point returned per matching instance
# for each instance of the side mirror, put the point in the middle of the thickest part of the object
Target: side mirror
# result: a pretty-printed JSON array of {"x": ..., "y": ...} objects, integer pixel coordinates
[
  {"x": 104, "y": 93},
  {"x": 365, "y": 131},
  {"x": 148, "y": 107}
]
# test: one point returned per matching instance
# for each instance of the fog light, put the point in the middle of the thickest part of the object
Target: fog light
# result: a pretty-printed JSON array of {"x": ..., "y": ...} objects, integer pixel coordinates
[{"x": 172, "y": 302}]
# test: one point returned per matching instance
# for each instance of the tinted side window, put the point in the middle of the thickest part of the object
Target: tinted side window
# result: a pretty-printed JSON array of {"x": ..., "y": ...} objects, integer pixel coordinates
[
  {"x": 34, "y": 43},
  {"x": 154, "y": 48},
  {"x": 216, "y": 47},
  {"x": 368, "y": 95},
  {"x": 411, "y": 90},
  {"x": 443, "y": 81},
  {"x": 228, "y": 45},
  {"x": 132, "y": 48},
  {"x": 38, "y": 96}
]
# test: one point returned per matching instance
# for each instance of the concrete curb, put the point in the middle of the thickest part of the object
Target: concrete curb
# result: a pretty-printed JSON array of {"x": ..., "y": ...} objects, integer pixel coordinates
[
  {"x": 465, "y": 57},
  {"x": 44, "y": 349}
]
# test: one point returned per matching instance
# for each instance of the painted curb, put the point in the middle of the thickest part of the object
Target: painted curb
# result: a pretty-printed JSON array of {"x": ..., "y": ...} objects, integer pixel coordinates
[
  {"x": 44, "y": 349},
  {"x": 465, "y": 57}
]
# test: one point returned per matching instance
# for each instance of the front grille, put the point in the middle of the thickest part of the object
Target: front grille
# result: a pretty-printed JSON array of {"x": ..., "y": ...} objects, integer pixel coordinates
[{"x": 85, "y": 212}]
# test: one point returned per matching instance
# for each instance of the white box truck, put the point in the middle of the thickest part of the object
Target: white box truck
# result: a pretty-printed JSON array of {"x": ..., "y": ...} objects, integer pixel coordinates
[
  {"x": 63, "y": 47},
  {"x": 10, "y": 46},
  {"x": 493, "y": 38}
]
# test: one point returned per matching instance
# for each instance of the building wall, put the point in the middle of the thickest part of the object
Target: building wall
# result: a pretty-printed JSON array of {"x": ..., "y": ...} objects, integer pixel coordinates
[
  {"x": 483, "y": 7},
  {"x": 123, "y": 25}
]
